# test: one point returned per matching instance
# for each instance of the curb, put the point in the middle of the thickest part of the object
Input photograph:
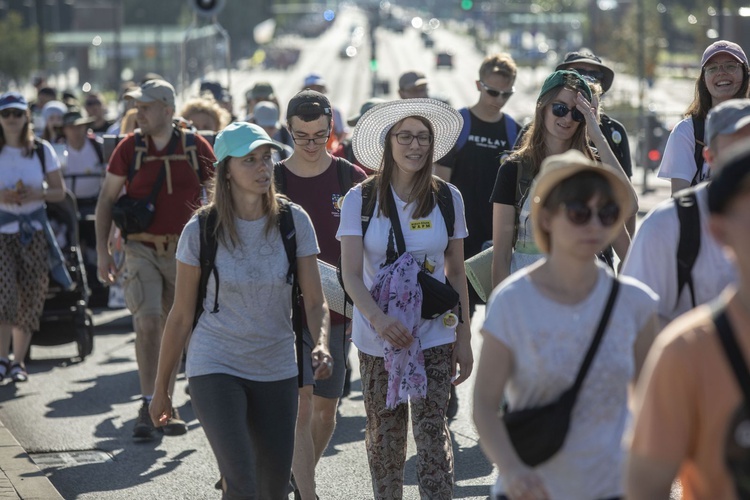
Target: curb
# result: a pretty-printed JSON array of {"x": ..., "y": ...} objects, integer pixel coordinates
[{"x": 19, "y": 475}]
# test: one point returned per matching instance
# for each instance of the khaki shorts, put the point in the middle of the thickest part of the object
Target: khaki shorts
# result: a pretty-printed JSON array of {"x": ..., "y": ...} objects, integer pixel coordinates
[{"x": 149, "y": 280}]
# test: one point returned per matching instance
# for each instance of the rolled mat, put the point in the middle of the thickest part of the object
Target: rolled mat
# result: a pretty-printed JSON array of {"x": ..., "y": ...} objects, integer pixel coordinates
[
  {"x": 479, "y": 272},
  {"x": 332, "y": 290}
]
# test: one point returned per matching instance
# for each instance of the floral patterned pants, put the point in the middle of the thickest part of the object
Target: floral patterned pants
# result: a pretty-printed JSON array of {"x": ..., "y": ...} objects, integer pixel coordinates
[{"x": 386, "y": 430}]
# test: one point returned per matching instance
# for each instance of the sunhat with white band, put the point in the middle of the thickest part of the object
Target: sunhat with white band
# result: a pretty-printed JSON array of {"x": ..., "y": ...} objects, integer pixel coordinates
[{"x": 368, "y": 139}]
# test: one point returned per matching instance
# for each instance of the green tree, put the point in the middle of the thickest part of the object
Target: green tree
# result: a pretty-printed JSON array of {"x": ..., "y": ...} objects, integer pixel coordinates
[{"x": 18, "y": 57}]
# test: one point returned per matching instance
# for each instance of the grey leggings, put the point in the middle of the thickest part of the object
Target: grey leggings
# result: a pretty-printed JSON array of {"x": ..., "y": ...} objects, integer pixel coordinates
[{"x": 242, "y": 420}]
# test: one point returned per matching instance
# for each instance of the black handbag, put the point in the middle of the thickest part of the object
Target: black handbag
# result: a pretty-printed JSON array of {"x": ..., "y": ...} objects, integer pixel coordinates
[
  {"x": 538, "y": 433},
  {"x": 437, "y": 297},
  {"x": 737, "y": 444},
  {"x": 133, "y": 215}
]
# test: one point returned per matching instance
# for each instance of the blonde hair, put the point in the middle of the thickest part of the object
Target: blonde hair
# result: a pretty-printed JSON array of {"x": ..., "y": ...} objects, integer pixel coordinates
[{"x": 209, "y": 106}]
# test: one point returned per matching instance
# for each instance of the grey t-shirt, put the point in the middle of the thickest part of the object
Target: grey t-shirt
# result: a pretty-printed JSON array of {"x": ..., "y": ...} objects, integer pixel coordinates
[{"x": 251, "y": 335}]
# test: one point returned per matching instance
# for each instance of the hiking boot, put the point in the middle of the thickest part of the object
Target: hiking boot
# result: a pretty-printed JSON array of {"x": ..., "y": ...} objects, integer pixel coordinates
[
  {"x": 452, "y": 404},
  {"x": 175, "y": 426},
  {"x": 144, "y": 428}
]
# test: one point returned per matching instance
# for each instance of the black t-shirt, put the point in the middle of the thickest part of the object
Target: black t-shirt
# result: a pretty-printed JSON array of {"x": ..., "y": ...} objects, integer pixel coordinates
[
  {"x": 474, "y": 169},
  {"x": 504, "y": 190}
]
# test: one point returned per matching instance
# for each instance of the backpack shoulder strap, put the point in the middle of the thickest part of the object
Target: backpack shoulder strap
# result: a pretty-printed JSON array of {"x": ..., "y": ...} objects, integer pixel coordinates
[
  {"x": 141, "y": 149},
  {"x": 39, "y": 150},
  {"x": 465, "y": 130},
  {"x": 511, "y": 130},
  {"x": 190, "y": 149},
  {"x": 344, "y": 172},
  {"x": 98, "y": 148},
  {"x": 445, "y": 204},
  {"x": 699, "y": 127},
  {"x": 732, "y": 350},
  {"x": 690, "y": 241},
  {"x": 209, "y": 245},
  {"x": 279, "y": 177},
  {"x": 368, "y": 204}
]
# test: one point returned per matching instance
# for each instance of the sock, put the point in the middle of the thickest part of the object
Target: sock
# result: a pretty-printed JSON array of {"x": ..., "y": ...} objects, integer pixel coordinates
[{"x": 147, "y": 399}]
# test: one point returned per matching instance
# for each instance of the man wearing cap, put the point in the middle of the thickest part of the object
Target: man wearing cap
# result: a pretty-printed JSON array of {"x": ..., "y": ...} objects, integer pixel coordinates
[
  {"x": 266, "y": 115},
  {"x": 653, "y": 254},
  {"x": 311, "y": 177},
  {"x": 96, "y": 108},
  {"x": 150, "y": 266},
  {"x": 315, "y": 82},
  {"x": 412, "y": 84},
  {"x": 261, "y": 91},
  {"x": 691, "y": 420},
  {"x": 84, "y": 167},
  {"x": 345, "y": 147}
]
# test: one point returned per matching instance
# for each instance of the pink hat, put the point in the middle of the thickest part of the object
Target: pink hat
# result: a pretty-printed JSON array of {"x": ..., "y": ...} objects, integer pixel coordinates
[{"x": 724, "y": 47}]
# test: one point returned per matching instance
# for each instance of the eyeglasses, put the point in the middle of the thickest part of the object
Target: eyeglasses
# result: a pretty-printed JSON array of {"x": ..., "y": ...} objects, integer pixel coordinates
[
  {"x": 580, "y": 213},
  {"x": 405, "y": 138},
  {"x": 591, "y": 73},
  {"x": 302, "y": 141},
  {"x": 15, "y": 113},
  {"x": 559, "y": 109},
  {"x": 727, "y": 67},
  {"x": 497, "y": 93}
]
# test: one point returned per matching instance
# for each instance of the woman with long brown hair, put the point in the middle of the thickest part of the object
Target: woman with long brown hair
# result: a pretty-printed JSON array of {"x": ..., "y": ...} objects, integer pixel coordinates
[
  {"x": 564, "y": 119},
  {"x": 25, "y": 246}
]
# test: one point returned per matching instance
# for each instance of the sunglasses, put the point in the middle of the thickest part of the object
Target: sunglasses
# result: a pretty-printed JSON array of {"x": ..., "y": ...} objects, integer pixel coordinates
[
  {"x": 591, "y": 73},
  {"x": 497, "y": 93},
  {"x": 15, "y": 113},
  {"x": 580, "y": 213},
  {"x": 93, "y": 103},
  {"x": 559, "y": 109}
]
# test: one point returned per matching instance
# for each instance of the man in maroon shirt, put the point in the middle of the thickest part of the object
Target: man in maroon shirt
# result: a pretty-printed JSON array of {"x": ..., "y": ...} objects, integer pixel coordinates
[
  {"x": 311, "y": 178},
  {"x": 150, "y": 266}
]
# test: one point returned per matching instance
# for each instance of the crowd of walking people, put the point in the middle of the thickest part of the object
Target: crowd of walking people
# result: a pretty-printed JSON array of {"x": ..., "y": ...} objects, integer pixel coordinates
[{"x": 614, "y": 361}]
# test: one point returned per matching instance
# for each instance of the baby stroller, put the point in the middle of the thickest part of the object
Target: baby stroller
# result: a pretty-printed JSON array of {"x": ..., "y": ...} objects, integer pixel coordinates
[{"x": 65, "y": 317}]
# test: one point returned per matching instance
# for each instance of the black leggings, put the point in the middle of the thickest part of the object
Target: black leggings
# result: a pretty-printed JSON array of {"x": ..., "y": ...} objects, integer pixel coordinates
[{"x": 242, "y": 420}]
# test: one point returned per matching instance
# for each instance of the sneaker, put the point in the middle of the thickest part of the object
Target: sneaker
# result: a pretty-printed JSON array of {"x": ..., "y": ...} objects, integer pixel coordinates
[
  {"x": 18, "y": 373},
  {"x": 452, "y": 404},
  {"x": 144, "y": 428},
  {"x": 175, "y": 426}
]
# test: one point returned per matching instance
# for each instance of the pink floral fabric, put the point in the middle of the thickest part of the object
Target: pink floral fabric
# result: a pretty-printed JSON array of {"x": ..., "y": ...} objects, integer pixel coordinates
[{"x": 399, "y": 295}]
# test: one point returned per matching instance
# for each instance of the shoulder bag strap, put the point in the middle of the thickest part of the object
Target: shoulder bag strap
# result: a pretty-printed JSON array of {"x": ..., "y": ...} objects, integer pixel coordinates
[
  {"x": 395, "y": 224},
  {"x": 732, "y": 350},
  {"x": 597, "y": 336},
  {"x": 689, "y": 242}
]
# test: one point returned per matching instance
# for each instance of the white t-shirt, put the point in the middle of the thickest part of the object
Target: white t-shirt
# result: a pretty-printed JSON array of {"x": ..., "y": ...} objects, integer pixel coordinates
[
  {"x": 251, "y": 335},
  {"x": 83, "y": 162},
  {"x": 678, "y": 161},
  {"x": 15, "y": 167},
  {"x": 548, "y": 341},
  {"x": 652, "y": 259},
  {"x": 429, "y": 238}
]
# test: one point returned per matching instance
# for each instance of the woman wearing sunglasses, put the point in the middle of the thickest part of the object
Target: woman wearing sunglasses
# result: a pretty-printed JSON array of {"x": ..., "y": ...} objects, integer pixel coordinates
[
  {"x": 724, "y": 76},
  {"x": 540, "y": 323},
  {"x": 25, "y": 186},
  {"x": 564, "y": 119}
]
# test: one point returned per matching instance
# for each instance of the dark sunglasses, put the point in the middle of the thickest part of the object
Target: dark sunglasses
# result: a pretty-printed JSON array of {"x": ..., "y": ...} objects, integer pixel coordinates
[
  {"x": 92, "y": 103},
  {"x": 580, "y": 213},
  {"x": 15, "y": 113},
  {"x": 596, "y": 75},
  {"x": 497, "y": 93},
  {"x": 560, "y": 109}
]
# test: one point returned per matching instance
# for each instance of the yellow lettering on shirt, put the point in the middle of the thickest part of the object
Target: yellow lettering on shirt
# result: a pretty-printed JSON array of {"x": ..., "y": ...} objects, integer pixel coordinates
[{"x": 417, "y": 225}]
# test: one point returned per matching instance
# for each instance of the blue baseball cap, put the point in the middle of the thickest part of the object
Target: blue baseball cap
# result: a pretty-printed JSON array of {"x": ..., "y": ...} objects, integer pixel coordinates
[
  {"x": 240, "y": 138},
  {"x": 13, "y": 100}
]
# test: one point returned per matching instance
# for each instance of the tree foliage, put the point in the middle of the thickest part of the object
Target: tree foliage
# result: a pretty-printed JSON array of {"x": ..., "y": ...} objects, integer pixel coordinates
[{"x": 19, "y": 47}]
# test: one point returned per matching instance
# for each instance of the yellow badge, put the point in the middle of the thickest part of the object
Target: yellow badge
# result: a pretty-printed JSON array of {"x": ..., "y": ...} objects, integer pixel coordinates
[
  {"x": 450, "y": 320},
  {"x": 417, "y": 225}
]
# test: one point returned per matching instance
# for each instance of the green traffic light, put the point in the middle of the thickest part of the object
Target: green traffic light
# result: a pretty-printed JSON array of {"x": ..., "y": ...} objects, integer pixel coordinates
[
  {"x": 373, "y": 64},
  {"x": 467, "y": 4}
]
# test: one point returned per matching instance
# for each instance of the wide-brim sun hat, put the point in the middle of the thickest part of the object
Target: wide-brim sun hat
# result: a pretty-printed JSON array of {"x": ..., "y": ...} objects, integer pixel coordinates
[
  {"x": 587, "y": 57},
  {"x": 239, "y": 139},
  {"x": 557, "y": 168},
  {"x": 369, "y": 136}
]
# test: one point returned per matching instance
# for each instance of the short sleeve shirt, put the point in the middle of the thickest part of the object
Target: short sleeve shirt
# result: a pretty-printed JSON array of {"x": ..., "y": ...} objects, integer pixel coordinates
[{"x": 678, "y": 161}]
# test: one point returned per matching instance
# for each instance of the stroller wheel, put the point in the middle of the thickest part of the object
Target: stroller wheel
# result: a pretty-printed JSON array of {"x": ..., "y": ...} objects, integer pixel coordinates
[{"x": 84, "y": 333}]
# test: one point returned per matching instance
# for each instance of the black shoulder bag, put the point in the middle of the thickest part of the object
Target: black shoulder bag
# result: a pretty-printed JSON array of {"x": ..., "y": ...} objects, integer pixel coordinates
[
  {"x": 737, "y": 444},
  {"x": 538, "y": 433},
  {"x": 437, "y": 297}
]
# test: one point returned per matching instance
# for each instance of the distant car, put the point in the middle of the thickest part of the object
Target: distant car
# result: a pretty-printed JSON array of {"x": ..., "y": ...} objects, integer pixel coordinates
[{"x": 444, "y": 60}]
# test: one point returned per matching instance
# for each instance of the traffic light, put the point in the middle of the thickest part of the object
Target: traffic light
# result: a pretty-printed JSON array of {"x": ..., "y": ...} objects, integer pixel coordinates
[
  {"x": 467, "y": 4},
  {"x": 655, "y": 136}
]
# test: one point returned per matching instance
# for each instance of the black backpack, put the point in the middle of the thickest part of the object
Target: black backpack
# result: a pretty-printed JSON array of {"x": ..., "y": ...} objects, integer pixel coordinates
[
  {"x": 689, "y": 245},
  {"x": 209, "y": 245},
  {"x": 699, "y": 127}
]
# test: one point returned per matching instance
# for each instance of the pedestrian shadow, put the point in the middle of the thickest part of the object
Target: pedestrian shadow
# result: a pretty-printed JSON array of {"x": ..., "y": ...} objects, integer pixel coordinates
[
  {"x": 349, "y": 429},
  {"x": 99, "y": 397}
]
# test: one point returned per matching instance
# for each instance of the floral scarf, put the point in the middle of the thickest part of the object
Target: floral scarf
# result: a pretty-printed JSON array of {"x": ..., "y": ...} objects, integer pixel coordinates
[{"x": 398, "y": 294}]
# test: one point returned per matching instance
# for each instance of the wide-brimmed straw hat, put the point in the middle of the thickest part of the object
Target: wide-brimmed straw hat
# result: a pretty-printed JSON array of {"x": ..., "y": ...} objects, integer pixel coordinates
[
  {"x": 368, "y": 139},
  {"x": 557, "y": 168}
]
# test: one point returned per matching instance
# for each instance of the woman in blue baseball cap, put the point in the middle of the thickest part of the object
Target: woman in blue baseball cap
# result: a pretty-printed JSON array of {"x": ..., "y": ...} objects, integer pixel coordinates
[
  {"x": 241, "y": 359},
  {"x": 29, "y": 177},
  {"x": 564, "y": 119}
]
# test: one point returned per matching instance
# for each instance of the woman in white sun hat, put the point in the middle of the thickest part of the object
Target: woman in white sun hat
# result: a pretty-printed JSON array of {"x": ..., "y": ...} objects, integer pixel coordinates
[
  {"x": 406, "y": 361},
  {"x": 539, "y": 327}
]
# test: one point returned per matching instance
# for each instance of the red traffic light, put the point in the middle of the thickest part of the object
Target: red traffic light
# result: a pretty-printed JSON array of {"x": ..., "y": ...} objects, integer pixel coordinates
[{"x": 654, "y": 155}]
